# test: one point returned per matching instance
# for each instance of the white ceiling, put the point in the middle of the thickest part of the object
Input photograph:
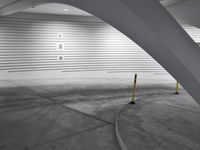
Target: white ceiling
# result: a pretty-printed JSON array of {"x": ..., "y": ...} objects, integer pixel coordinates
[
  {"x": 188, "y": 12},
  {"x": 4, "y": 3},
  {"x": 56, "y": 8},
  {"x": 168, "y": 3},
  {"x": 183, "y": 10}
]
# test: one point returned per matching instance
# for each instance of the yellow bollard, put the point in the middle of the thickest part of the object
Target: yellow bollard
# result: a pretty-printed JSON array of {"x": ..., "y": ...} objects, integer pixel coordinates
[
  {"x": 134, "y": 89},
  {"x": 177, "y": 88}
]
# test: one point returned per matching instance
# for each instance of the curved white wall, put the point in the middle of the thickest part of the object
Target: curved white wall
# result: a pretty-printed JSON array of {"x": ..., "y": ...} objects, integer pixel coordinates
[{"x": 28, "y": 49}]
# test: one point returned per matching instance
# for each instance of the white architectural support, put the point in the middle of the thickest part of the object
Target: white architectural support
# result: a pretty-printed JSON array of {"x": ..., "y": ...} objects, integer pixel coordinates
[
  {"x": 150, "y": 25},
  {"x": 16, "y": 7},
  {"x": 168, "y": 3}
]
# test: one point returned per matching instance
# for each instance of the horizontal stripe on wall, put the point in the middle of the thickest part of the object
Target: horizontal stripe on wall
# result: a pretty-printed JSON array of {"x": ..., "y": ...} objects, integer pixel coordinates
[{"x": 31, "y": 45}]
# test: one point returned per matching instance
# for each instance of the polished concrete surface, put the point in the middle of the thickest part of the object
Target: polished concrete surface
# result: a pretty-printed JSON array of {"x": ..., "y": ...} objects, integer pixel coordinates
[
  {"x": 77, "y": 114},
  {"x": 164, "y": 122}
]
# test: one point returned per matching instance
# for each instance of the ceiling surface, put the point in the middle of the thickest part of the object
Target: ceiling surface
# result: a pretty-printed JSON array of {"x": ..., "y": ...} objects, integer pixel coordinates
[
  {"x": 4, "y": 3},
  {"x": 185, "y": 11},
  {"x": 168, "y": 3},
  {"x": 58, "y": 9}
]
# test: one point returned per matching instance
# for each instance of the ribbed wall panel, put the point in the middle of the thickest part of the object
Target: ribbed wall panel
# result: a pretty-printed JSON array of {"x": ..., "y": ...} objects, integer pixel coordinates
[{"x": 31, "y": 45}]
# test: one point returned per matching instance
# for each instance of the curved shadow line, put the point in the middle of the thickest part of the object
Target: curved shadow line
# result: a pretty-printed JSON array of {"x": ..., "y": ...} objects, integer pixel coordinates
[{"x": 117, "y": 133}]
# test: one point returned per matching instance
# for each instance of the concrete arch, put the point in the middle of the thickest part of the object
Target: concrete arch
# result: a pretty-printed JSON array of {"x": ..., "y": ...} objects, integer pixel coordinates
[{"x": 150, "y": 25}]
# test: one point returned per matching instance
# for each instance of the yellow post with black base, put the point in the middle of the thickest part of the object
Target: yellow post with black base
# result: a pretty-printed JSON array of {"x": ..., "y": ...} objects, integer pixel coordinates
[
  {"x": 134, "y": 89},
  {"x": 177, "y": 88}
]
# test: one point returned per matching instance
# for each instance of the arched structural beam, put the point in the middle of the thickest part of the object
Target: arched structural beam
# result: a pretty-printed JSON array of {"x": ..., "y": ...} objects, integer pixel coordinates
[
  {"x": 16, "y": 6},
  {"x": 149, "y": 24}
]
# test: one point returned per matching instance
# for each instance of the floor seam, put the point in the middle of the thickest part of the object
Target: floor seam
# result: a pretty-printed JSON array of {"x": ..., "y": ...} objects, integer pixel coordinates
[
  {"x": 69, "y": 136},
  {"x": 12, "y": 83},
  {"x": 85, "y": 114},
  {"x": 25, "y": 108},
  {"x": 181, "y": 109}
]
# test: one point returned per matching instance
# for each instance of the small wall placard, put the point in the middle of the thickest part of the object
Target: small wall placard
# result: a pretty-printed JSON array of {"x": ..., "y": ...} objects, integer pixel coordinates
[
  {"x": 60, "y": 58},
  {"x": 60, "y": 46},
  {"x": 60, "y": 35}
]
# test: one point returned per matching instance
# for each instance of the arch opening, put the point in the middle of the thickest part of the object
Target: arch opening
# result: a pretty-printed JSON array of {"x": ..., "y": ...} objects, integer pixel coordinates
[{"x": 155, "y": 30}]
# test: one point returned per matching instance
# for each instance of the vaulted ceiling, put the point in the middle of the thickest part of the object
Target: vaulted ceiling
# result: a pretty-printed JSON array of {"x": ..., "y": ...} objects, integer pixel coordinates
[
  {"x": 4, "y": 3},
  {"x": 56, "y": 8},
  {"x": 186, "y": 11}
]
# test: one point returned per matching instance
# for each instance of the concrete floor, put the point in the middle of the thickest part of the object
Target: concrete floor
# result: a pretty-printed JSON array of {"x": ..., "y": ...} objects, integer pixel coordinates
[
  {"x": 79, "y": 114},
  {"x": 164, "y": 122}
]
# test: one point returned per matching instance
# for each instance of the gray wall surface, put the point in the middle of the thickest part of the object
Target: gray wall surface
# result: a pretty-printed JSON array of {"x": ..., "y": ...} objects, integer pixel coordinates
[
  {"x": 29, "y": 48},
  {"x": 31, "y": 45}
]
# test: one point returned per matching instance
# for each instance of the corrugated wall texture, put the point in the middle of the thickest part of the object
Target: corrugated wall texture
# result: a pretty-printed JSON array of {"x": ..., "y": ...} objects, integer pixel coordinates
[{"x": 36, "y": 46}]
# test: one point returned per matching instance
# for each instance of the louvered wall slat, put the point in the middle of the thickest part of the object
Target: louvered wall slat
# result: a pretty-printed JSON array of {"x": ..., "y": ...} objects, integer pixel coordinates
[{"x": 31, "y": 45}]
